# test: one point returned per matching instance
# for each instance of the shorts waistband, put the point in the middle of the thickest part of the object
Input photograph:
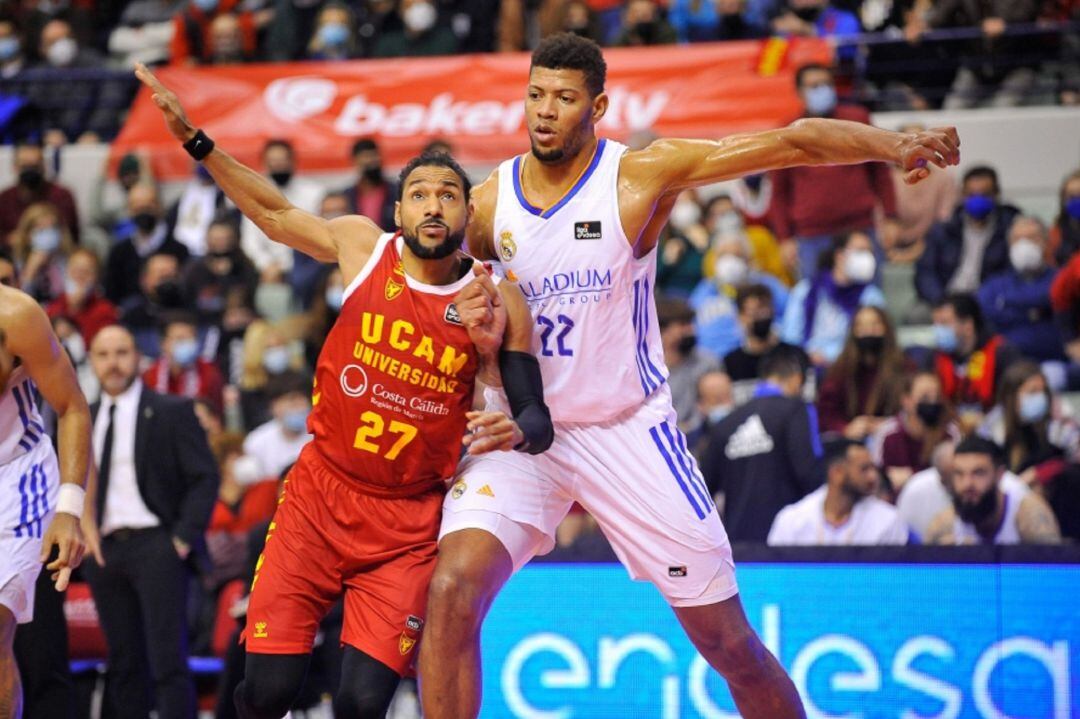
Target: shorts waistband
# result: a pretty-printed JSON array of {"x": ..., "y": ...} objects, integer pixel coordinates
[{"x": 316, "y": 462}]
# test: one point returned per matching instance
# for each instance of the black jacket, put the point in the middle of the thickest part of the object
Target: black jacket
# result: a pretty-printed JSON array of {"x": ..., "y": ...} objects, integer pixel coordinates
[
  {"x": 945, "y": 244},
  {"x": 763, "y": 456},
  {"x": 174, "y": 467},
  {"x": 386, "y": 219}
]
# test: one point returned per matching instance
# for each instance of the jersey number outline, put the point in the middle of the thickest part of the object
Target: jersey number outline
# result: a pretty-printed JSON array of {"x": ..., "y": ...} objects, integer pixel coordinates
[
  {"x": 549, "y": 327},
  {"x": 374, "y": 426}
]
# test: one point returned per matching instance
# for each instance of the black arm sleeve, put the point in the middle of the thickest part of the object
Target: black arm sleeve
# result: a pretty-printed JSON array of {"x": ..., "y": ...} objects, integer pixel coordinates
[{"x": 525, "y": 390}]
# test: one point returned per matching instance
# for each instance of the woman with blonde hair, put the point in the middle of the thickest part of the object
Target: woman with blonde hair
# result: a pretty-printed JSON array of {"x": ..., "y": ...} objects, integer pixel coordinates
[
  {"x": 270, "y": 350},
  {"x": 40, "y": 244}
]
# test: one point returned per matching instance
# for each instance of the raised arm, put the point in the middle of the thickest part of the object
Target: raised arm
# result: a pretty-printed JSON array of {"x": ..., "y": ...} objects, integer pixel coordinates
[
  {"x": 674, "y": 165},
  {"x": 258, "y": 198}
]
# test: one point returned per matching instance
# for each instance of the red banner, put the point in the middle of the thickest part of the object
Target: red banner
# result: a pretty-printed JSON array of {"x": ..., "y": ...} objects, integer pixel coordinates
[{"x": 474, "y": 101}]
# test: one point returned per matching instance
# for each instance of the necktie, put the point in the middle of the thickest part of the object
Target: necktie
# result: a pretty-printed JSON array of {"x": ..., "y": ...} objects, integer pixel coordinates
[{"x": 106, "y": 464}]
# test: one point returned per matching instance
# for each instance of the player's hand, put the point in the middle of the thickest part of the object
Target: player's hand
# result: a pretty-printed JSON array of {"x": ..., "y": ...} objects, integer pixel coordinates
[
  {"x": 63, "y": 532},
  {"x": 490, "y": 432},
  {"x": 937, "y": 146},
  {"x": 168, "y": 103},
  {"x": 92, "y": 536},
  {"x": 482, "y": 313}
]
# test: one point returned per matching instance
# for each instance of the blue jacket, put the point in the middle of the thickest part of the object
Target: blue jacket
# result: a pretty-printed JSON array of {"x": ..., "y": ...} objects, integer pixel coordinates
[
  {"x": 1019, "y": 308},
  {"x": 945, "y": 244},
  {"x": 717, "y": 318}
]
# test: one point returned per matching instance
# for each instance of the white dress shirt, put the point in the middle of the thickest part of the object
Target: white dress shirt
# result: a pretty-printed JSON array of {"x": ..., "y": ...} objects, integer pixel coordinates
[
  {"x": 872, "y": 521},
  {"x": 124, "y": 506},
  {"x": 272, "y": 449},
  {"x": 263, "y": 251}
]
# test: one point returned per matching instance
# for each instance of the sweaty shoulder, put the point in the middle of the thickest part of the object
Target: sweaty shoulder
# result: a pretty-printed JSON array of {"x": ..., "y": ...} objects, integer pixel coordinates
[
  {"x": 16, "y": 309},
  {"x": 481, "y": 226},
  {"x": 355, "y": 237}
]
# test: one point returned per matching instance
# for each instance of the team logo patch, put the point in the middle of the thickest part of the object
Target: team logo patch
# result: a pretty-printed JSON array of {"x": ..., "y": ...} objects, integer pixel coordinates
[
  {"x": 260, "y": 630},
  {"x": 676, "y": 571},
  {"x": 393, "y": 289},
  {"x": 486, "y": 491},
  {"x": 587, "y": 231},
  {"x": 458, "y": 490},
  {"x": 414, "y": 623},
  {"x": 507, "y": 247},
  {"x": 451, "y": 315},
  {"x": 405, "y": 643}
]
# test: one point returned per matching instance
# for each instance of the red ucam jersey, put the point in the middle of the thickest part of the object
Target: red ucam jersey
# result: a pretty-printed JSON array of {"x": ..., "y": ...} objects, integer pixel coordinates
[{"x": 394, "y": 380}]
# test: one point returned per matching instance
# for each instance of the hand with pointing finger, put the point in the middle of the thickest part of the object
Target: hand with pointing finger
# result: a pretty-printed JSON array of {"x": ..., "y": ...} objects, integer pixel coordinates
[
  {"x": 168, "y": 103},
  {"x": 482, "y": 313}
]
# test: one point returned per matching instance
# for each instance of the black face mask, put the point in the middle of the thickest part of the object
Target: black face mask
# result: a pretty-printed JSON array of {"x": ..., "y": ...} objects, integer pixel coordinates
[
  {"x": 145, "y": 222},
  {"x": 31, "y": 178},
  {"x": 646, "y": 31},
  {"x": 686, "y": 345},
  {"x": 281, "y": 178},
  {"x": 870, "y": 345},
  {"x": 373, "y": 174},
  {"x": 930, "y": 413},
  {"x": 761, "y": 327},
  {"x": 809, "y": 14},
  {"x": 169, "y": 294}
]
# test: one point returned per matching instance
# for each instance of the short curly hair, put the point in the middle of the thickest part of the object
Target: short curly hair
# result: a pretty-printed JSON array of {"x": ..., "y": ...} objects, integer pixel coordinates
[{"x": 567, "y": 51}]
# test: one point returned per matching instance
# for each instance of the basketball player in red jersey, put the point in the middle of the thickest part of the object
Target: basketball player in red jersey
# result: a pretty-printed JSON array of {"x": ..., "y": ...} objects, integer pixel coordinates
[{"x": 394, "y": 382}]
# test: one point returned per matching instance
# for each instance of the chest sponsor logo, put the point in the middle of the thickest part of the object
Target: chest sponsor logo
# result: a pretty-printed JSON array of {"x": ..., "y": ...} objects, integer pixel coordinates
[
  {"x": 587, "y": 230},
  {"x": 451, "y": 315},
  {"x": 578, "y": 286},
  {"x": 354, "y": 380},
  {"x": 507, "y": 246}
]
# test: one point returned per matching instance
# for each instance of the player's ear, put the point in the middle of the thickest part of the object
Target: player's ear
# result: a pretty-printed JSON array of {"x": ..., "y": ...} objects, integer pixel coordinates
[
  {"x": 599, "y": 107},
  {"x": 397, "y": 213}
]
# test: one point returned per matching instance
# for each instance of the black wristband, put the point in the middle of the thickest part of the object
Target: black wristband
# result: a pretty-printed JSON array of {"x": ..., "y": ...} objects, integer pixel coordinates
[{"x": 199, "y": 146}]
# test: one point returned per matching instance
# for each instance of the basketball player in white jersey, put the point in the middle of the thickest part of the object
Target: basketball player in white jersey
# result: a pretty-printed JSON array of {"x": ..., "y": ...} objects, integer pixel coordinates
[
  {"x": 575, "y": 223},
  {"x": 41, "y": 504}
]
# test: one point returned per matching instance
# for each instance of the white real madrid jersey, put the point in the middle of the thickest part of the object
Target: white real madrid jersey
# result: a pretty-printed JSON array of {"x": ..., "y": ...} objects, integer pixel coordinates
[
  {"x": 591, "y": 300},
  {"x": 21, "y": 428}
]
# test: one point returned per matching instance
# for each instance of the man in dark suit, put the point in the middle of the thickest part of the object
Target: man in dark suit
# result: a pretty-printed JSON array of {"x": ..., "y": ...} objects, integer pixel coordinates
[
  {"x": 767, "y": 453},
  {"x": 156, "y": 488}
]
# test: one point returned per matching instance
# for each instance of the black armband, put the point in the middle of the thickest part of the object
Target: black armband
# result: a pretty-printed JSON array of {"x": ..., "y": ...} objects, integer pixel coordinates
[
  {"x": 525, "y": 390},
  {"x": 199, "y": 146}
]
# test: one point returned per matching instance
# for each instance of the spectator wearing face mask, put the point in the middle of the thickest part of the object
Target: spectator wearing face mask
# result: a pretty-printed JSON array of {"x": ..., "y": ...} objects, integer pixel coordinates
[
  {"x": 970, "y": 247},
  {"x": 181, "y": 370},
  {"x": 372, "y": 195},
  {"x": 109, "y": 199},
  {"x": 683, "y": 247},
  {"x": 1017, "y": 301},
  {"x": 274, "y": 259},
  {"x": 845, "y": 511},
  {"x": 31, "y": 188},
  {"x": 767, "y": 453},
  {"x": 199, "y": 204},
  {"x": 418, "y": 33},
  {"x": 276, "y": 444},
  {"x": 904, "y": 444},
  {"x": 861, "y": 390},
  {"x": 160, "y": 292},
  {"x": 820, "y": 309},
  {"x": 227, "y": 45},
  {"x": 82, "y": 300},
  {"x": 147, "y": 234},
  {"x": 969, "y": 358},
  {"x": 685, "y": 362},
  {"x": 643, "y": 24},
  {"x": 1037, "y": 440},
  {"x": 715, "y": 401},
  {"x": 713, "y": 299},
  {"x": 724, "y": 214},
  {"x": 268, "y": 352},
  {"x": 757, "y": 318},
  {"x": 193, "y": 42},
  {"x": 579, "y": 18},
  {"x": 41, "y": 246},
  {"x": 213, "y": 280},
  {"x": 323, "y": 313},
  {"x": 307, "y": 271},
  {"x": 813, "y": 204},
  {"x": 986, "y": 510},
  {"x": 335, "y": 34},
  {"x": 145, "y": 32},
  {"x": 12, "y": 60},
  {"x": 60, "y": 49},
  {"x": 1065, "y": 234}
]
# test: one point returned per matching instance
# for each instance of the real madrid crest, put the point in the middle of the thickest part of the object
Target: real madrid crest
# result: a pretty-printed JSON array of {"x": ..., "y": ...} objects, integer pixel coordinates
[{"x": 507, "y": 247}]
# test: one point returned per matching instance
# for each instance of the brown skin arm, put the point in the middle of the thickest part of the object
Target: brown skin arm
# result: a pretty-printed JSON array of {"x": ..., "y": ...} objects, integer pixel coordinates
[
  {"x": 668, "y": 166},
  {"x": 1036, "y": 522},
  {"x": 481, "y": 227},
  {"x": 30, "y": 337},
  {"x": 261, "y": 201},
  {"x": 940, "y": 530}
]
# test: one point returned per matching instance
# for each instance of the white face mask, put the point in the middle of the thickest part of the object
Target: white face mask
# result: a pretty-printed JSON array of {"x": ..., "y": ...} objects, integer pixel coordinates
[
  {"x": 76, "y": 347},
  {"x": 62, "y": 52},
  {"x": 731, "y": 269},
  {"x": 859, "y": 266},
  {"x": 420, "y": 17},
  {"x": 684, "y": 214},
  {"x": 1025, "y": 255}
]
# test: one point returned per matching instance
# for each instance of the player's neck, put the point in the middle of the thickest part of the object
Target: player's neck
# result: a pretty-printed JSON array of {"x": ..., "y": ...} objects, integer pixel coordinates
[
  {"x": 432, "y": 272},
  {"x": 542, "y": 179}
]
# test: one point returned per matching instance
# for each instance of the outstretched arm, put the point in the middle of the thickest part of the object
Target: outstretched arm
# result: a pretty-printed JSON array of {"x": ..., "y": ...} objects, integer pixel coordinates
[
  {"x": 674, "y": 165},
  {"x": 257, "y": 197}
]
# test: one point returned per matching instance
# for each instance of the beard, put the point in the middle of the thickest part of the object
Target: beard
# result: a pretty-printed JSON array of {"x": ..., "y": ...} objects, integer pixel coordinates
[
  {"x": 976, "y": 512},
  {"x": 447, "y": 247},
  {"x": 855, "y": 492},
  {"x": 549, "y": 157},
  {"x": 569, "y": 150}
]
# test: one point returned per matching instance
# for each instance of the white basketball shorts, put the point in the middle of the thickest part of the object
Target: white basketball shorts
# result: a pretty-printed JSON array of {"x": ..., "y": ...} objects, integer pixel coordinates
[
  {"x": 29, "y": 485},
  {"x": 633, "y": 474}
]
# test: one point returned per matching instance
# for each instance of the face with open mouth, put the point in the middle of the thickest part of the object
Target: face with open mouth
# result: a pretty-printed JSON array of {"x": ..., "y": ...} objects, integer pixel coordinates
[
  {"x": 559, "y": 113},
  {"x": 433, "y": 212}
]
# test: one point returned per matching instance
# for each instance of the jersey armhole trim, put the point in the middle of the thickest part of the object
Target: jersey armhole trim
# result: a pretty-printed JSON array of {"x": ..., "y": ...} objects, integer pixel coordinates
[{"x": 365, "y": 271}]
